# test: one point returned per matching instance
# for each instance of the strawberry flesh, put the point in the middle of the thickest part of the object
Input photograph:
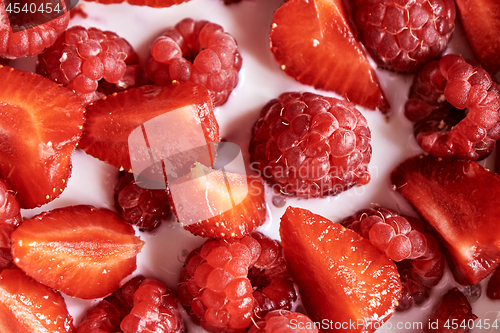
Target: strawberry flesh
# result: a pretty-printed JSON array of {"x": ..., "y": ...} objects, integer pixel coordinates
[
  {"x": 460, "y": 200},
  {"x": 453, "y": 314},
  {"x": 40, "y": 125},
  {"x": 341, "y": 276},
  {"x": 216, "y": 204},
  {"x": 80, "y": 250},
  {"x": 115, "y": 126},
  {"x": 28, "y": 306},
  {"x": 481, "y": 22},
  {"x": 313, "y": 43}
]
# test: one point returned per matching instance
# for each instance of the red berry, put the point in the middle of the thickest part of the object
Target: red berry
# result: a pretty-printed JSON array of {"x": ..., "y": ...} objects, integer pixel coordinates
[
  {"x": 10, "y": 217},
  {"x": 29, "y": 33},
  {"x": 307, "y": 145},
  {"x": 139, "y": 206},
  {"x": 404, "y": 35},
  {"x": 199, "y": 51},
  {"x": 284, "y": 321},
  {"x": 150, "y": 3},
  {"x": 455, "y": 109},
  {"x": 406, "y": 240},
  {"x": 81, "y": 57},
  {"x": 227, "y": 282}
]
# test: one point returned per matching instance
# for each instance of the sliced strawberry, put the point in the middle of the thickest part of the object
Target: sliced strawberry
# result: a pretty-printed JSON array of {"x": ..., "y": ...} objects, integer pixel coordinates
[
  {"x": 28, "y": 32},
  {"x": 216, "y": 204},
  {"x": 453, "y": 314},
  {"x": 461, "y": 202},
  {"x": 40, "y": 125},
  {"x": 28, "y": 306},
  {"x": 80, "y": 250},
  {"x": 150, "y": 3},
  {"x": 341, "y": 276},
  {"x": 183, "y": 119},
  {"x": 313, "y": 43},
  {"x": 481, "y": 21}
]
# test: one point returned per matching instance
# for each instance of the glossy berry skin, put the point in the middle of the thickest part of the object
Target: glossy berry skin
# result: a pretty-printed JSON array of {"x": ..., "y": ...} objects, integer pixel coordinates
[
  {"x": 198, "y": 51},
  {"x": 284, "y": 321},
  {"x": 405, "y": 240},
  {"x": 81, "y": 57},
  {"x": 155, "y": 309},
  {"x": 227, "y": 282},
  {"x": 458, "y": 199},
  {"x": 138, "y": 206},
  {"x": 140, "y": 304},
  {"x": 10, "y": 218},
  {"x": 403, "y": 35},
  {"x": 307, "y": 145},
  {"x": 455, "y": 108},
  {"x": 17, "y": 41},
  {"x": 340, "y": 275}
]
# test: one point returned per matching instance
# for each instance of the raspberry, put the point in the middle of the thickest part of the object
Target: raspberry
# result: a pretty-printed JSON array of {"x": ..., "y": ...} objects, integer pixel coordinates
[
  {"x": 10, "y": 218},
  {"x": 139, "y": 206},
  {"x": 156, "y": 309},
  {"x": 403, "y": 35},
  {"x": 406, "y": 241},
  {"x": 81, "y": 57},
  {"x": 455, "y": 108},
  {"x": 199, "y": 51},
  {"x": 284, "y": 321},
  {"x": 141, "y": 304},
  {"x": 29, "y": 33},
  {"x": 227, "y": 283},
  {"x": 307, "y": 145}
]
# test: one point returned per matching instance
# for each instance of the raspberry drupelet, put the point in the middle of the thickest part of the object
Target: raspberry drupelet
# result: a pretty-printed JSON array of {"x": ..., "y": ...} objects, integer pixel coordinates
[
  {"x": 403, "y": 35},
  {"x": 307, "y": 145},
  {"x": 199, "y": 51},
  {"x": 405, "y": 240},
  {"x": 144, "y": 208},
  {"x": 284, "y": 321},
  {"x": 141, "y": 304},
  {"x": 227, "y": 284},
  {"x": 10, "y": 218},
  {"x": 81, "y": 57},
  {"x": 455, "y": 107},
  {"x": 29, "y": 34}
]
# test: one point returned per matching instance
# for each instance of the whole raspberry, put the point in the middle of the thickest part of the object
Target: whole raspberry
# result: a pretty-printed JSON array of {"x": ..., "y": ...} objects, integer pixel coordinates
[
  {"x": 403, "y": 35},
  {"x": 307, "y": 145},
  {"x": 199, "y": 51},
  {"x": 226, "y": 284},
  {"x": 81, "y": 57},
  {"x": 284, "y": 321},
  {"x": 455, "y": 107},
  {"x": 139, "y": 206},
  {"x": 405, "y": 240},
  {"x": 142, "y": 304},
  {"x": 10, "y": 218}
]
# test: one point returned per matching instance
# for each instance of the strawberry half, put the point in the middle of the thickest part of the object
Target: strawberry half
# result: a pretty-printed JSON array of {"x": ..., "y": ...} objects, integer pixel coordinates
[
  {"x": 123, "y": 122},
  {"x": 28, "y": 306},
  {"x": 150, "y": 3},
  {"x": 460, "y": 200},
  {"x": 40, "y": 125},
  {"x": 313, "y": 43},
  {"x": 216, "y": 204},
  {"x": 481, "y": 21},
  {"x": 453, "y": 314},
  {"x": 341, "y": 276},
  {"x": 80, "y": 250}
]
